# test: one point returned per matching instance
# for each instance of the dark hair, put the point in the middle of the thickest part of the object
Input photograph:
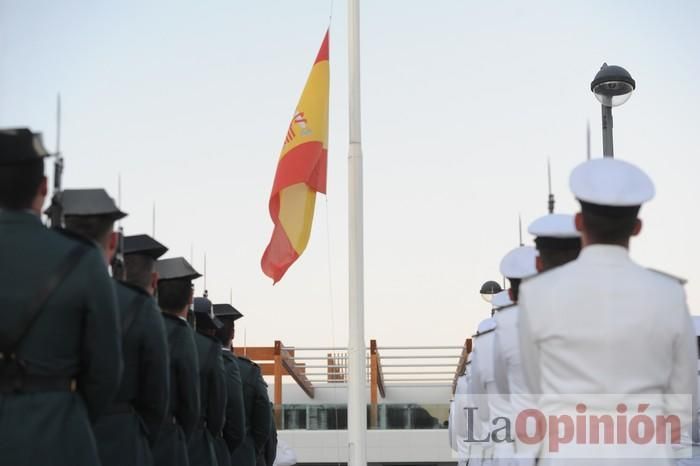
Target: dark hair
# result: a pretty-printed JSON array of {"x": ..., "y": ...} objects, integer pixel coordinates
[
  {"x": 552, "y": 258},
  {"x": 514, "y": 288},
  {"x": 225, "y": 333},
  {"x": 94, "y": 227},
  {"x": 607, "y": 224},
  {"x": 174, "y": 295},
  {"x": 19, "y": 184},
  {"x": 139, "y": 269}
]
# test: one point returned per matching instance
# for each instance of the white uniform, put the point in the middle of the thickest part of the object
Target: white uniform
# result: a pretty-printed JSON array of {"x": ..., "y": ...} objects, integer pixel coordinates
[
  {"x": 604, "y": 325},
  {"x": 482, "y": 390},
  {"x": 458, "y": 420},
  {"x": 509, "y": 376},
  {"x": 695, "y": 460}
]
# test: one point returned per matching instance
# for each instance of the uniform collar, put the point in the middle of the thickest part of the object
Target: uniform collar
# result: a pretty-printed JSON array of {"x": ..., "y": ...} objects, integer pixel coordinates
[
  {"x": 604, "y": 253},
  {"x": 19, "y": 216}
]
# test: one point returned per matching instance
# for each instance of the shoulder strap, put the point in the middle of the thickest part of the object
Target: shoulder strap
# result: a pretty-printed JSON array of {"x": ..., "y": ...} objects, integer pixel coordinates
[
  {"x": 37, "y": 303},
  {"x": 133, "y": 309}
]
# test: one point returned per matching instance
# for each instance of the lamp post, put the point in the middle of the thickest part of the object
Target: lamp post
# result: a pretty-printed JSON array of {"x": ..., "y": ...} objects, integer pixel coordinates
[
  {"x": 489, "y": 289},
  {"x": 612, "y": 86}
]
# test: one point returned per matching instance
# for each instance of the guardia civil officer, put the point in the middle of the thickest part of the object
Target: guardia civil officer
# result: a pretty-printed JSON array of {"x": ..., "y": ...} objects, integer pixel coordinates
[
  {"x": 269, "y": 453},
  {"x": 142, "y": 398},
  {"x": 212, "y": 384},
  {"x": 60, "y": 346},
  {"x": 235, "y": 423},
  {"x": 257, "y": 412},
  {"x": 174, "y": 298},
  {"x": 140, "y": 255},
  {"x": 603, "y": 324}
]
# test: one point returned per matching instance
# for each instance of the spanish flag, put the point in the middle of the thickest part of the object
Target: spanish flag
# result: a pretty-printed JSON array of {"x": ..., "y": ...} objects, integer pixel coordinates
[{"x": 301, "y": 172}]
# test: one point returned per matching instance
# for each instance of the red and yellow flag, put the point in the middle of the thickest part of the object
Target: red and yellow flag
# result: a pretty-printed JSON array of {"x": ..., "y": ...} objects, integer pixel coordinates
[{"x": 301, "y": 172}]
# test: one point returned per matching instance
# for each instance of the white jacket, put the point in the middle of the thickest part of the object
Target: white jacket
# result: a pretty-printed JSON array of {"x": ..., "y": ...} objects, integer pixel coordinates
[{"x": 604, "y": 325}]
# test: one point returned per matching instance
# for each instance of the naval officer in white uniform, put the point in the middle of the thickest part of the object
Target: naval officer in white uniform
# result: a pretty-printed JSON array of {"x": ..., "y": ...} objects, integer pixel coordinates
[
  {"x": 480, "y": 382},
  {"x": 516, "y": 266},
  {"x": 557, "y": 242},
  {"x": 458, "y": 419},
  {"x": 603, "y": 324}
]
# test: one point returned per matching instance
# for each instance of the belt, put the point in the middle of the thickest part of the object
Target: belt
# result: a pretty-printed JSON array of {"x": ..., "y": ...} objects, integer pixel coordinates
[
  {"x": 123, "y": 407},
  {"x": 27, "y": 383}
]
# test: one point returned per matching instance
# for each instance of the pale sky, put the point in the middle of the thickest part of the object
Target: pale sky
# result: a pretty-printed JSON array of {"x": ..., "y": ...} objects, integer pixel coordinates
[{"x": 463, "y": 102}]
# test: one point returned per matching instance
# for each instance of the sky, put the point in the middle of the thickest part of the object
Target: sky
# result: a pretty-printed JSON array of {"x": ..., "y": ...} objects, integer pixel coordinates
[{"x": 463, "y": 102}]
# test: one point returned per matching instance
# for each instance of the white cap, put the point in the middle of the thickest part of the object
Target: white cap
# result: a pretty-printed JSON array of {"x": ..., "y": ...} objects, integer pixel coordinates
[
  {"x": 554, "y": 226},
  {"x": 501, "y": 299},
  {"x": 519, "y": 263},
  {"x": 611, "y": 182}
]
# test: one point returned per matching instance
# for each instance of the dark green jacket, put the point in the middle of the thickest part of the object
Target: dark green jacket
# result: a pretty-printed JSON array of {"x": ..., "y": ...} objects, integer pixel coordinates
[
  {"x": 258, "y": 415},
  {"x": 269, "y": 453},
  {"x": 234, "y": 426},
  {"x": 213, "y": 402},
  {"x": 170, "y": 448},
  {"x": 76, "y": 335},
  {"x": 140, "y": 407}
]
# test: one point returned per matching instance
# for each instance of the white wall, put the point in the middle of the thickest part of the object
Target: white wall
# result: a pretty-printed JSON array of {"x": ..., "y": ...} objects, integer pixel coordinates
[{"x": 383, "y": 446}]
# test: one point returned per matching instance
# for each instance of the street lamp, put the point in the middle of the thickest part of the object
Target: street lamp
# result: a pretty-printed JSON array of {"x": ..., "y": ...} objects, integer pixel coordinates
[
  {"x": 489, "y": 289},
  {"x": 612, "y": 86}
]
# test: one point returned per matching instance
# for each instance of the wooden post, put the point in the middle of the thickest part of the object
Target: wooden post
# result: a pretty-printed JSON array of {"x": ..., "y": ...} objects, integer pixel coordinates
[
  {"x": 278, "y": 384},
  {"x": 374, "y": 385}
]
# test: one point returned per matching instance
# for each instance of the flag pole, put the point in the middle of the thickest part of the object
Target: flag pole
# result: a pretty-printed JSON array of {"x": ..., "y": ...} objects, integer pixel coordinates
[{"x": 357, "y": 402}]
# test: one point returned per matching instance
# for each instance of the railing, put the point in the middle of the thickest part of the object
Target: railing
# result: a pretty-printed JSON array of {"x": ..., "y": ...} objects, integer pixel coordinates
[{"x": 315, "y": 368}]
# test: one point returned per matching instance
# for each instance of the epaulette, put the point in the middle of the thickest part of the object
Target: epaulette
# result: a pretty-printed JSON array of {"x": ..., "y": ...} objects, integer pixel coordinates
[
  {"x": 75, "y": 236},
  {"x": 135, "y": 288},
  {"x": 478, "y": 334},
  {"x": 680, "y": 280},
  {"x": 503, "y": 308},
  {"x": 178, "y": 319},
  {"x": 243, "y": 358}
]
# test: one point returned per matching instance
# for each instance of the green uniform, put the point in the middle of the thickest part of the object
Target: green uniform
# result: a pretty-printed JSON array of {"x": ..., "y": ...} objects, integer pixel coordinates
[
  {"x": 213, "y": 402},
  {"x": 257, "y": 414},
  {"x": 76, "y": 335},
  {"x": 170, "y": 448},
  {"x": 269, "y": 453},
  {"x": 124, "y": 433},
  {"x": 234, "y": 427}
]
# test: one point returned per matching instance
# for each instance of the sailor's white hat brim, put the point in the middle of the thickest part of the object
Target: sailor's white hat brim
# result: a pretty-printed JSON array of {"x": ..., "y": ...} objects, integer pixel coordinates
[
  {"x": 519, "y": 263},
  {"x": 554, "y": 226},
  {"x": 611, "y": 182},
  {"x": 501, "y": 299}
]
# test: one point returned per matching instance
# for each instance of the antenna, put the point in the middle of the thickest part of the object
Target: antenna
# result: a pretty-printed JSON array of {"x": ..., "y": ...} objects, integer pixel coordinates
[
  {"x": 550, "y": 199},
  {"x": 588, "y": 139},
  {"x": 520, "y": 230},
  {"x": 118, "y": 270},
  {"x": 56, "y": 215},
  {"x": 58, "y": 125},
  {"x": 205, "y": 274}
]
